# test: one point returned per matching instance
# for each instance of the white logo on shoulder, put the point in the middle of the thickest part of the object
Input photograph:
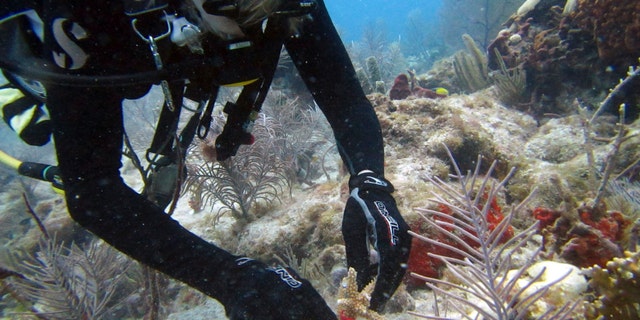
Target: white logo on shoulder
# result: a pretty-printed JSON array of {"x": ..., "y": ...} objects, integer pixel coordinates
[{"x": 72, "y": 57}]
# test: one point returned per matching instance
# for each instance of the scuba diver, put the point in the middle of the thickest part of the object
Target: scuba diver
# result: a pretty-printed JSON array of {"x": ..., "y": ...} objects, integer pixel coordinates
[{"x": 71, "y": 63}]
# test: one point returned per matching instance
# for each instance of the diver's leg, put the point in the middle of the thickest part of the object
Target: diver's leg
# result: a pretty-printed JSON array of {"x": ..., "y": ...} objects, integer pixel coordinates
[{"x": 88, "y": 133}]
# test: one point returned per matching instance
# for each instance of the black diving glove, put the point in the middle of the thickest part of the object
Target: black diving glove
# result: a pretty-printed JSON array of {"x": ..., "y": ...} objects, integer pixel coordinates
[
  {"x": 371, "y": 218},
  {"x": 254, "y": 291}
]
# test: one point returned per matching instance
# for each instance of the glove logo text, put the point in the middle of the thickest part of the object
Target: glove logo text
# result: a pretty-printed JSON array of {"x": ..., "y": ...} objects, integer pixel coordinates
[
  {"x": 392, "y": 224},
  {"x": 287, "y": 277},
  {"x": 243, "y": 260},
  {"x": 376, "y": 181}
]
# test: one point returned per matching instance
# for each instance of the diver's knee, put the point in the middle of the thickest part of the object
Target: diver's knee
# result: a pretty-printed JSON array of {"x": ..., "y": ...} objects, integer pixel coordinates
[{"x": 88, "y": 200}]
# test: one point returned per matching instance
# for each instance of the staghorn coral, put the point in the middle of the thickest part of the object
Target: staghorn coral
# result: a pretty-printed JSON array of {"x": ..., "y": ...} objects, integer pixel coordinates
[
  {"x": 616, "y": 287},
  {"x": 353, "y": 304}
]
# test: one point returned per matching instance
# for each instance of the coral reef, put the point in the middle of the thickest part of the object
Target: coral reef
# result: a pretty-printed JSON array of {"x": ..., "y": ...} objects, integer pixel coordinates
[
  {"x": 566, "y": 284},
  {"x": 424, "y": 255},
  {"x": 616, "y": 288},
  {"x": 404, "y": 87},
  {"x": 569, "y": 59},
  {"x": 585, "y": 46},
  {"x": 471, "y": 68},
  {"x": 486, "y": 279},
  {"x": 441, "y": 75},
  {"x": 353, "y": 304},
  {"x": 585, "y": 237},
  {"x": 615, "y": 26},
  {"x": 510, "y": 84},
  {"x": 68, "y": 282},
  {"x": 400, "y": 88},
  {"x": 555, "y": 140}
]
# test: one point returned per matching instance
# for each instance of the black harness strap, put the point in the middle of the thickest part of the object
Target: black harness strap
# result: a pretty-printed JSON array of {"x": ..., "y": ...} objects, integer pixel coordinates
[
  {"x": 167, "y": 125},
  {"x": 134, "y": 8},
  {"x": 242, "y": 114}
]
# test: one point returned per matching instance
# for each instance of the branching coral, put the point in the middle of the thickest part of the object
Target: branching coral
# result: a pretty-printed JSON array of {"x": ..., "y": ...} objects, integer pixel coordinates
[
  {"x": 619, "y": 91},
  {"x": 471, "y": 68},
  {"x": 423, "y": 258},
  {"x": 617, "y": 288},
  {"x": 353, "y": 304},
  {"x": 71, "y": 282},
  {"x": 484, "y": 276},
  {"x": 510, "y": 84},
  {"x": 300, "y": 135},
  {"x": 285, "y": 152},
  {"x": 238, "y": 183}
]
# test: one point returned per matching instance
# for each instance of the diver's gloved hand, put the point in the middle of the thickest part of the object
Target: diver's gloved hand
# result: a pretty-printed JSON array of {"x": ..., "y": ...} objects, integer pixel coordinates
[
  {"x": 371, "y": 217},
  {"x": 254, "y": 291}
]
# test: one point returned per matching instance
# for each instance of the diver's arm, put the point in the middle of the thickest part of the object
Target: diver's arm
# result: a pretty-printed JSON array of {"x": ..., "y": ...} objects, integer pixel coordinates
[
  {"x": 87, "y": 123},
  {"x": 371, "y": 212},
  {"x": 326, "y": 68}
]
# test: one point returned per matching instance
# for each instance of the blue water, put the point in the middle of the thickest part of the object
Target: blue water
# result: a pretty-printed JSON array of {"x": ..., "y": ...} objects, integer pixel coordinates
[{"x": 351, "y": 16}]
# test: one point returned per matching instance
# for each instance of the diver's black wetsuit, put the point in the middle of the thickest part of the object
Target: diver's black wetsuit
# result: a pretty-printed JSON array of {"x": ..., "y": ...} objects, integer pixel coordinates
[{"x": 88, "y": 131}]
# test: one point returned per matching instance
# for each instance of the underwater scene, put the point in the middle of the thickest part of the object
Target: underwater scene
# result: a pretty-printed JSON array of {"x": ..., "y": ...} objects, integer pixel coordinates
[{"x": 511, "y": 135}]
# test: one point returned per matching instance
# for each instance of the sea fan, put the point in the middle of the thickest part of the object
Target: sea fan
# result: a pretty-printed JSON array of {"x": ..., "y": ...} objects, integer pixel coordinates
[
  {"x": 481, "y": 262},
  {"x": 239, "y": 182},
  {"x": 300, "y": 134},
  {"x": 287, "y": 138}
]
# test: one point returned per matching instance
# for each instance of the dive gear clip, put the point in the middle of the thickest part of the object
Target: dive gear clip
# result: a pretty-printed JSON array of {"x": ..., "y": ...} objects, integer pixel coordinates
[{"x": 151, "y": 40}]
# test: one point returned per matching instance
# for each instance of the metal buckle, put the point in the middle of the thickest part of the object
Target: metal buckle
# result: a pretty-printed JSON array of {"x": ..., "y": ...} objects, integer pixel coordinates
[{"x": 151, "y": 40}]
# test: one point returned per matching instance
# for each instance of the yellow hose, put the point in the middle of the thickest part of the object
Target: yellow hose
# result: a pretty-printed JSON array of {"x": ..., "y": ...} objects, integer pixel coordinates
[
  {"x": 15, "y": 164},
  {"x": 9, "y": 160}
]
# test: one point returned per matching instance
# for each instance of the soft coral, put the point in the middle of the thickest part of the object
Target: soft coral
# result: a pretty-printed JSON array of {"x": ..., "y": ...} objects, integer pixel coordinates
[
  {"x": 422, "y": 263},
  {"x": 593, "y": 238}
]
